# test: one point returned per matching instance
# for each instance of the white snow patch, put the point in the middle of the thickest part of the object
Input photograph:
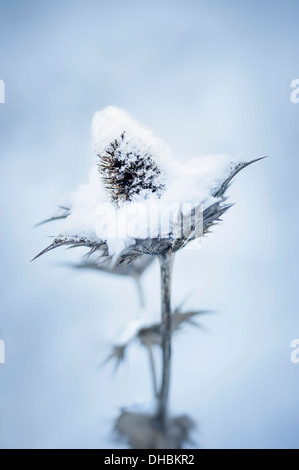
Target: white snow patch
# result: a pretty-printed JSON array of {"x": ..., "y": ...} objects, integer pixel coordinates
[{"x": 111, "y": 122}]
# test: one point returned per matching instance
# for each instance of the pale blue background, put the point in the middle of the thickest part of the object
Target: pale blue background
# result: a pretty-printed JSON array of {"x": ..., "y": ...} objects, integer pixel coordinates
[{"x": 207, "y": 77}]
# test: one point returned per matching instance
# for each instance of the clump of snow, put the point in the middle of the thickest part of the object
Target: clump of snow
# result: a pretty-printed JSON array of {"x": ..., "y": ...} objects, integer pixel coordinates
[
  {"x": 111, "y": 122},
  {"x": 197, "y": 179},
  {"x": 95, "y": 217}
]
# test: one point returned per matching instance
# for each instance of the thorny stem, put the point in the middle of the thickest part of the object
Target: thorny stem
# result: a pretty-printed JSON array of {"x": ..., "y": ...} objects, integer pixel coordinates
[
  {"x": 153, "y": 369},
  {"x": 166, "y": 269}
]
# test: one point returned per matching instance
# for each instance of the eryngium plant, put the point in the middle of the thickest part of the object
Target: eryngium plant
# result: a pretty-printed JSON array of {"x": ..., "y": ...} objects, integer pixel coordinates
[
  {"x": 134, "y": 167},
  {"x": 150, "y": 336}
]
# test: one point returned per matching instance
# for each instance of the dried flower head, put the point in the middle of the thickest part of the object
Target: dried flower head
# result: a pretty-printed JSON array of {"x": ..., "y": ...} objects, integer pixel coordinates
[
  {"x": 128, "y": 172},
  {"x": 139, "y": 201},
  {"x": 136, "y": 167}
]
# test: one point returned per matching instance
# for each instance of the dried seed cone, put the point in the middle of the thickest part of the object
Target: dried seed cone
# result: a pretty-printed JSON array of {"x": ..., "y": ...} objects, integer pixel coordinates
[{"x": 128, "y": 172}]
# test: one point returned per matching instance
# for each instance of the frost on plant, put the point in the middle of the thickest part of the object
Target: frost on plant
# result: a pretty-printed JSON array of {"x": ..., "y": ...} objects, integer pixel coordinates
[
  {"x": 138, "y": 203},
  {"x": 128, "y": 173},
  {"x": 133, "y": 167}
]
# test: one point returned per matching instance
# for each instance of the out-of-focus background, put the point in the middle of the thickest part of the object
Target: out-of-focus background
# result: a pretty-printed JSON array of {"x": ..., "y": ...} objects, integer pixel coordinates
[{"x": 207, "y": 77}]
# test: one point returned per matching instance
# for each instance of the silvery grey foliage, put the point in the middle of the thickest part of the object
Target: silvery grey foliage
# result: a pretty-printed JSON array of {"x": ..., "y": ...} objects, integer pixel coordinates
[
  {"x": 152, "y": 336},
  {"x": 129, "y": 170},
  {"x": 149, "y": 336},
  {"x": 135, "y": 269},
  {"x": 102, "y": 262},
  {"x": 155, "y": 246},
  {"x": 64, "y": 212}
]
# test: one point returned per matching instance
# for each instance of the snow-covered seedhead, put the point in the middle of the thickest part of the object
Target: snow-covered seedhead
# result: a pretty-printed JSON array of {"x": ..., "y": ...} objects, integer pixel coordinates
[
  {"x": 129, "y": 173},
  {"x": 139, "y": 200}
]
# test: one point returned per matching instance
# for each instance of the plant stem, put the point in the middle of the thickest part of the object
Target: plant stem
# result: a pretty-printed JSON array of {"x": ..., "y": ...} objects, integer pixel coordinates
[
  {"x": 140, "y": 292},
  {"x": 166, "y": 269},
  {"x": 153, "y": 369}
]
